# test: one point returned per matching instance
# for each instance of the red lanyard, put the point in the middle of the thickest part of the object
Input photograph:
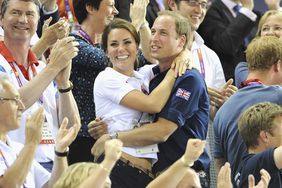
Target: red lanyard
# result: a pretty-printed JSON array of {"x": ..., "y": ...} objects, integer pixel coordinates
[
  {"x": 201, "y": 61},
  {"x": 250, "y": 82},
  {"x": 17, "y": 74},
  {"x": 34, "y": 72}
]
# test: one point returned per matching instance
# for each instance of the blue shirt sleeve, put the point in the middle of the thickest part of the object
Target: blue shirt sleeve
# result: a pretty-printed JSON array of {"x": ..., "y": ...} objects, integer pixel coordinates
[{"x": 186, "y": 98}]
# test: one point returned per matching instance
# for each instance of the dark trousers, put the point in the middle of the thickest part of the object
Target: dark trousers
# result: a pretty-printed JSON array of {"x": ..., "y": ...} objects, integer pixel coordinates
[
  {"x": 80, "y": 150},
  {"x": 126, "y": 176}
]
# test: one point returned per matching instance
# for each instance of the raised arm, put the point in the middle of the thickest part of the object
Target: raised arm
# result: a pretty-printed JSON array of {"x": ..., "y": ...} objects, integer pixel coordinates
[
  {"x": 138, "y": 17},
  {"x": 64, "y": 138},
  {"x": 16, "y": 174},
  {"x": 60, "y": 57},
  {"x": 67, "y": 103},
  {"x": 175, "y": 173},
  {"x": 100, "y": 175}
]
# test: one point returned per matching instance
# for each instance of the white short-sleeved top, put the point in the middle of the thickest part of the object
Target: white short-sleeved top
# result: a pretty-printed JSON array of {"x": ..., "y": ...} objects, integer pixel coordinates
[
  {"x": 37, "y": 175},
  {"x": 109, "y": 88}
]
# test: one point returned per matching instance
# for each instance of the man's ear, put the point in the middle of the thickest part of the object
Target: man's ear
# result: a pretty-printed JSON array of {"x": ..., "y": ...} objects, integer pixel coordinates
[
  {"x": 277, "y": 66},
  {"x": 172, "y": 5},
  {"x": 182, "y": 41},
  {"x": 263, "y": 136}
]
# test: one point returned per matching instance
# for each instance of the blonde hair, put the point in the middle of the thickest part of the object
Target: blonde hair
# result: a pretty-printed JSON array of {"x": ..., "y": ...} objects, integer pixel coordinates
[
  {"x": 259, "y": 117},
  {"x": 265, "y": 16},
  {"x": 75, "y": 175},
  {"x": 263, "y": 52}
]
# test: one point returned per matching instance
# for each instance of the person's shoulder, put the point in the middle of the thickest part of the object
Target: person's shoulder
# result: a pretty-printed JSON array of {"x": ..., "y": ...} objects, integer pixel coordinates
[
  {"x": 109, "y": 74},
  {"x": 192, "y": 74}
]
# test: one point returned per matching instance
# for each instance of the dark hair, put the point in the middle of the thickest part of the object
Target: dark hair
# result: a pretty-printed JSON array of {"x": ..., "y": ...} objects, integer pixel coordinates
[
  {"x": 118, "y": 23},
  {"x": 79, "y": 7},
  {"x": 5, "y": 5}
]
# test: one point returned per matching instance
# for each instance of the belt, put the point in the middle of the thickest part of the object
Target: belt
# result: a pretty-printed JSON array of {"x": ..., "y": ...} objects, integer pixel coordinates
[{"x": 129, "y": 163}]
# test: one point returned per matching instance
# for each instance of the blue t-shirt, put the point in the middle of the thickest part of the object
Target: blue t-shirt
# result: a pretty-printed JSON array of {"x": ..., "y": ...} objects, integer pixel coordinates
[
  {"x": 187, "y": 107},
  {"x": 253, "y": 163},
  {"x": 228, "y": 142},
  {"x": 241, "y": 73}
]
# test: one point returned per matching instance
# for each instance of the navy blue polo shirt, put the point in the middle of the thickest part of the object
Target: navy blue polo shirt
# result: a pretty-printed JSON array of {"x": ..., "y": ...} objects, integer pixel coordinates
[
  {"x": 253, "y": 163},
  {"x": 187, "y": 107}
]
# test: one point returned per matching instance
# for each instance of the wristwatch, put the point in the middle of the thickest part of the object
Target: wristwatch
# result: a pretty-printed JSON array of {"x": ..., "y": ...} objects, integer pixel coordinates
[{"x": 113, "y": 135}]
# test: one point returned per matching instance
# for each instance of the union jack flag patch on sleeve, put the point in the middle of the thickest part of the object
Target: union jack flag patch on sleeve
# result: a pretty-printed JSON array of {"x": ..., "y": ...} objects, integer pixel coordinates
[{"x": 182, "y": 93}]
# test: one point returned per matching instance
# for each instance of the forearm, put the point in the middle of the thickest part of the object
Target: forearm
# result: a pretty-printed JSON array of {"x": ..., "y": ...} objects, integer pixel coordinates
[
  {"x": 171, "y": 177},
  {"x": 37, "y": 85},
  {"x": 68, "y": 108},
  {"x": 148, "y": 134},
  {"x": 145, "y": 35},
  {"x": 60, "y": 165},
  {"x": 40, "y": 47},
  {"x": 16, "y": 174},
  {"x": 160, "y": 94}
]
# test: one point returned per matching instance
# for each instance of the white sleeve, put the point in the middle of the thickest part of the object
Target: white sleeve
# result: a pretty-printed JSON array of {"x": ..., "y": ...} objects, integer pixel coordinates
[
  {"x": 110, "y": 87},
  {"x": 147, "y": 71},
  {"x": 219, "y": 78}
]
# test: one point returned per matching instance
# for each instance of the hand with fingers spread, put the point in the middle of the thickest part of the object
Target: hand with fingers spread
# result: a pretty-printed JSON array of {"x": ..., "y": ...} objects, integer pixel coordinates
[
  {"x": 224, "y": 177},
  {"x": 264, "y": 181},
  {"x": 59, "y": 30},
  {"x": 97, "y": 128},
  {"x": 218, "y": 97},
  {"x": 194, "y": 148},
  {"x": 33, "y": 129},
  {"x": 62, "y": 53},
  {"x": 66, "y": 135},
  {"x": 138, "y": 13}
]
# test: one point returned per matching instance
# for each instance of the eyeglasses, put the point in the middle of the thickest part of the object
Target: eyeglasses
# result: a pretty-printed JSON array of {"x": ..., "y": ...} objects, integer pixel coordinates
[
  {"x": 17, "y": 100},
  {"x": 194, "y": 3}
]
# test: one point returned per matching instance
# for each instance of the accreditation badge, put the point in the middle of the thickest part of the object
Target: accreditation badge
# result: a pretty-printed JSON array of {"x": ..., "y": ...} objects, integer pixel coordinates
[{"x": 47, "y": 136}]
